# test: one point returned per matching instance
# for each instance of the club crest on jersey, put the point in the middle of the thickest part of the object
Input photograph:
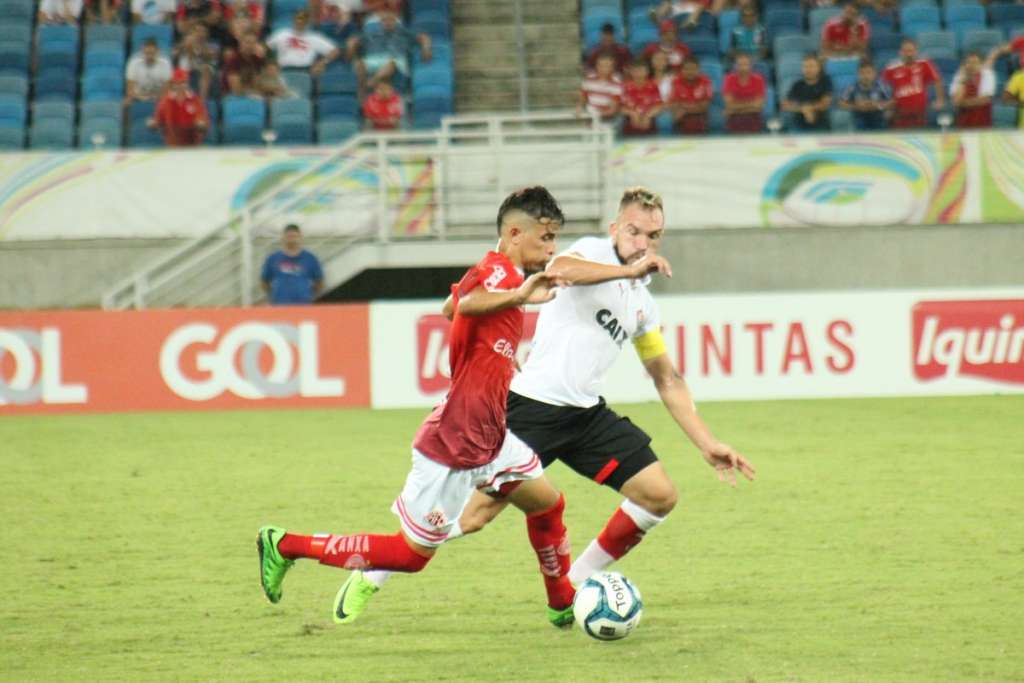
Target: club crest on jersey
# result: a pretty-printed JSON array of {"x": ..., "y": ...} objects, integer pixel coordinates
[
  {"x": 436, "y": 519},
  {"x": 611, "y": 325}
]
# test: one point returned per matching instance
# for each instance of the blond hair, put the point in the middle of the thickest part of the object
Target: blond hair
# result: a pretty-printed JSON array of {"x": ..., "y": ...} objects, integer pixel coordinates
[{"x": 648, "y": 200}]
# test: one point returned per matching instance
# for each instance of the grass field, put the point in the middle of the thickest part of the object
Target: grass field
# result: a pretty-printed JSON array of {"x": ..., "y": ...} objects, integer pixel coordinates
[{"x": 882, "y": 541}]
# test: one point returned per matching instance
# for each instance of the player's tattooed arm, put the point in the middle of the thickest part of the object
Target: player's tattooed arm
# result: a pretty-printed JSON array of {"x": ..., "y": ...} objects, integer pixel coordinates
[
  {"x": 676, "y": 396},
  {"x": 537, "y": 289},
  {"x": 573, "y": 269}
]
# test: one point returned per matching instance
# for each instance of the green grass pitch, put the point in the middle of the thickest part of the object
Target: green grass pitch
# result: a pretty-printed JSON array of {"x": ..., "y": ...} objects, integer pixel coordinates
[{"x": 882, "y": 541}]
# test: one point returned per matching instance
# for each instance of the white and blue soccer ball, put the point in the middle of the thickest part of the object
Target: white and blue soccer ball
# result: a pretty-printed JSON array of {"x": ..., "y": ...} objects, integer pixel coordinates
[{"x": 607, "y": 606}]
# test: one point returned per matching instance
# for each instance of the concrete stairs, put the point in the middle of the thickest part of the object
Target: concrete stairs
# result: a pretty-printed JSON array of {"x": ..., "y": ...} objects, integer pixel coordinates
[{"x": 487, "y": 54}]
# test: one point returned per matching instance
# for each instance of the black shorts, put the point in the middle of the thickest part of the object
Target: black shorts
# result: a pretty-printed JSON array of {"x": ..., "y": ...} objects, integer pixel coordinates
[{"x": 593, "y": 441}]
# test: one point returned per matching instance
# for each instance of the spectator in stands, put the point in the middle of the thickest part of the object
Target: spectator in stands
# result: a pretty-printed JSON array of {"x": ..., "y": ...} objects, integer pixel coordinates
[
  {"x": 250, "y": 9},
  {"x": 243, "y": 66},
  {"x": 608, "y": 45},
  {"x": 181, "y": 115},
  {"x": 661, "y": 74},
  {"x": 749, "y": 35},
  {"x": 194, "y": 55},
  {"x": 383, "y": 109},
  {"x": 153, "y": 11},
  {"x": 1014, "y": 94},
  {"x": 146, "y": 74},
  {"x": 641, "y": 101},
  {"x": 292, "y": 275},
  {"x": 744, "y": 92},
  {"x": 669, "y": 43},
  {"x": 810, "y": 98},
  {"x": 59, "y": 11},
  {"x": 386, "y": 52},
  {"x": 684, "y": 13},
  {"x": 269, "y": 83},
  {"x": 869, "y": 99},
  {"x": 972, "y": 90},
  {"x": 601, "y": 92},
  {"x": 690, "y": 99},
  {"x": 337, "y": 21},
  {"x": 909, "y": 79},
  {"x": 299, "y": 48},
  {"x": 846, "y": 35},
  {"x": 102, "y": 11},
  {"x": 206, "y": 12}
]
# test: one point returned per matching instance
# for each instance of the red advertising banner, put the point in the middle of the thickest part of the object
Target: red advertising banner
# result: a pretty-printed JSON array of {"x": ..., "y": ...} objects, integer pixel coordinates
[
  {"x": 982, "y": 339},
  {"x": 196, "y": 359}
]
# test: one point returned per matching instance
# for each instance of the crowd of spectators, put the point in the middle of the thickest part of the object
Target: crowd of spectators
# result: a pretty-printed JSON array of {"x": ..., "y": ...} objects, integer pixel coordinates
[{"x": 664, "y": 86}]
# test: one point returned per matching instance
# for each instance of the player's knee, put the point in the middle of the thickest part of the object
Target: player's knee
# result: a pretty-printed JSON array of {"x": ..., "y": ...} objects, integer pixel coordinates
[{"x": 660, "y": 500}]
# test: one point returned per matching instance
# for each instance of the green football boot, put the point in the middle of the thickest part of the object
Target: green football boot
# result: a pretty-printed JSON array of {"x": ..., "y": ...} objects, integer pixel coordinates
[
  {"x": 352, "y": 598},
  {"x": 561, "y": 618},
  {"x": 273, "y": 566}
]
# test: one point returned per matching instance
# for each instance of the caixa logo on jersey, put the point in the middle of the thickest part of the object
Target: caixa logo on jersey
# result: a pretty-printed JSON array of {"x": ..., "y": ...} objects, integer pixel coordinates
[
  {"x": 432, "y": 365},
  {"x": 982, "y": 339},
  {"x": 30, "y": 368},
  {"x": 252, "y": 360}
]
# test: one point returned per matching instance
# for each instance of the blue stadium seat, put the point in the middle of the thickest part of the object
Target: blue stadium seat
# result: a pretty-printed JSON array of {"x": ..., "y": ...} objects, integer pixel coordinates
[
  {"x": 13, "y": 112},
  {"x": 879, "y": 20},
  {"x": 139, "y": 135},
  {"x": 58, "y": 55},
  {"x": 882, "y": 39},
  {"x": 981, "y": 40},
  {"x": 12, "y": 138},
  {"x": 427, "y": 120},
  {"x": 101, "y": 110},
  {"x": 50, "y": 134},
  {"x": 972, "y": 14},
  {"x": 796, "y": 44},
  {"x": 283, "y": 10},
  {"x": 947, "y": 66},
  {"x": 299, "y": 82},
  {"x": 434, "y": 24},
  {"x": 1005, "y": 14},
  {"x": 108, "y": 128},
  {"x": 14, "y": 58},
  {"x": 702, "y": 46},
  {"x": 1004, "y": 116},
  {"x": 939, "y": 53},
  {"x": 293, "y": 130},
  {"x": 335, "y": 131},
  {"x": 57, "y": 110},
  {"x": 17, "y": 11},
  {"x": 705, "y": 27},
  {"x": 841, "y": 67},
  {"x": 433, "y": 98},
  {"x": 642, "y": 35},
  {"x": 110, "y": 35},
  {"x": 939, "y": 39},
  {"x": 817, "y": 17},
  {"x": 60, "y": 85},
  {"x": 162, "y": 33},
  {"x": 241, "y": 133},
  {"x": 338, "y": 78},
  {"x": 842, "y": 121},
  {"x": 770, "y": 103},
  {"x": 727, "y": 21},
  {"x": 441, "y": 55},
  {"x": 781, "y": 21},
  {"x": 14, "y": 85},
  {"x": 919, "y": 3},
  {"x": 54, "y": 34},
  {"x": 442, "y": 6},
  {"x": 840, "y": 82},
  {"x": 102, "y": 85},
  {"x": 916, "y": 19},
  {"x": 428, "y": 75},
  {"x": 16, "y": 33},
  {"x": 294, "y": 106},
  {"x": 244, "y": 121},
  {"x": 103, "y": 56},
  {"x": 334, "y": 107}
]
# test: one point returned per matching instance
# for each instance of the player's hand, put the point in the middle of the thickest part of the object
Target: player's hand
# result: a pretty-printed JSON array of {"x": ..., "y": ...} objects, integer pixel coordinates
[
  {"x": 727, "y": 461},
  {"x": 651, "y": 263},
  {"x": 539, "y": 288}
]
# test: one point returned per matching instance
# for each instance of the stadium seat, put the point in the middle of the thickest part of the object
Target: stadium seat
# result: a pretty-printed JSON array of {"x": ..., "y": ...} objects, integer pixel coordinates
[
  {"x": 57, "y": 34},
  {"x": 947, "y": 66},
  {"x": 796, "y": 44},
  {"x": 727, "y": 21},
  {"x": 841, "y": 67},
  {"x": 283, "y": 10},
  {"x": 14, "y": 58},
  {"x": 442, "y": 6},
  {"x": 17, "y": 11},
  {"x": 109, "y": 35},
  {"x": 770, "y": 103},
  {"x": 937, "y": 39},
  {"x": 878, "y": 20},
  {"x": 338, "y": 78},
  {"x": 967, "y": 14},
  {"x": 291, "y": 107},
  {"x": 434, "y": 24},
  {"x": 244, "y": 121},
  {"x": 241, "y": 133},
  {"x": 16, "y": 33},
  {"x": 817, "y": 17},
  {"x": 58, "y": 55},
  {"x": 50, "y": 134},
  {"x": 934, "y": 53},
  {"x": 104, "y": 56},
  {"x": 780, "y": 21},
  {"x": 427, "y": 120},
  {"x": 299, "y": 82},
  {"x": 641, "y": 36},
  {"x": 47, "y": 110},
  {"x": 427, "y": 76},
  {"x": 919, "y": 3},
  {"x": 13, "y": 112},
  {"x": 293, "y": 130},
  {"x": 702, "y": 46},
  {"x": 12, "y": 138},
  {"x": 441, "y": 55},
  {"x": 335, "y": 131},
  {"x": 1004, "y": 14},
  {"x": 104, "y": 110},
  {"x": 102, "y": 85},
  {"x": 14, "y": 85},
  {"x": 55, "y": 85},
  {"x": 108, "y": 128},
  {"x": 1004, "y": 116},
  {"x": 915, "y": 19},
  {"x": 140, "y": 135},
  {"x": 842, "y": 121},
  {"x": 162, "y": 33},
  {"x": 334, "y": 107},
  {"x": 981, "y": 40}
]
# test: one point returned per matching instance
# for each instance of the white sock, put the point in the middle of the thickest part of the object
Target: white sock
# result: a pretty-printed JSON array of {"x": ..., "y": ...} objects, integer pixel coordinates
[
  {"x": 595, "y": 558},
  {"x": 377, "y": 576}
]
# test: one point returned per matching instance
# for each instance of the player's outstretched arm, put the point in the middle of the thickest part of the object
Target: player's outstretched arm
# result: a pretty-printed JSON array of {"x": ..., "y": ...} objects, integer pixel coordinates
[
  {"x": 676, "y": 397},
  {"x": 537, "y": 289},
  {"x": 576, "y": 270}
]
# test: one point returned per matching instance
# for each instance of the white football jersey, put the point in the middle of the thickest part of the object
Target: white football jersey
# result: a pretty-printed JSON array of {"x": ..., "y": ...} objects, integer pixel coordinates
[{"x": 580, "y": 333}]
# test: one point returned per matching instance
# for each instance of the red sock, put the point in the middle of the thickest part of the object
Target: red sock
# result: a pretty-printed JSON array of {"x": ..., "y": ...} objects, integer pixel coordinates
[
  {"x": 359, "y": 551},
  {"x": 551, "y": 543},
  {"x": 620, "y": 534}
]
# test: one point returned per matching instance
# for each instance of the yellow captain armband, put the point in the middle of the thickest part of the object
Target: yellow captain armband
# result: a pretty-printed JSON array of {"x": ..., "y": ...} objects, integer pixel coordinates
[{"x": 650, "y": 345}]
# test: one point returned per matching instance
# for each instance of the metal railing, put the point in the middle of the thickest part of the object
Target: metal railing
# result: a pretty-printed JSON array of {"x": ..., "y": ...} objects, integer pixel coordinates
[{"x": 437, "y": 185}]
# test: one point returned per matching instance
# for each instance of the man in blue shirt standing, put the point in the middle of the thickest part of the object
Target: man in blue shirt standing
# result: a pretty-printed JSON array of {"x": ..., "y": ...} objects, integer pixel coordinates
[{"x": 292, "y": 275}]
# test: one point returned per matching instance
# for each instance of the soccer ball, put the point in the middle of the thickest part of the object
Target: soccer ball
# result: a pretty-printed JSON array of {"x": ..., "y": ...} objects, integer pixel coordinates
[{"x": 607, "y": 606}]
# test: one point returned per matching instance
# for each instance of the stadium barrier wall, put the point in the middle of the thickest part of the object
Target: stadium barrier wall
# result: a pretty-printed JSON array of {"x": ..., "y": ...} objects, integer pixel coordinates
[
  {"x": 199, "y": 359},
  {"x": 386, "y": 355}
]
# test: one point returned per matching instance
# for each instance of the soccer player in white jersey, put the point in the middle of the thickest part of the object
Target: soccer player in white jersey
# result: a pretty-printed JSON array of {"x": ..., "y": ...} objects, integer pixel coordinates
[{"x": 555, "y": 406}]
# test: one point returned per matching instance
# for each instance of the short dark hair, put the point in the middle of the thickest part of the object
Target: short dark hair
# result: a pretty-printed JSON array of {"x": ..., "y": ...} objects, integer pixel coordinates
[
  {"x": 608, "y": 28},
  {"x": 535, "y": 202},
  {"x": 149, "y": 41},
  {"x": 812, "y": 56},
  {"x": 866, "y": 63},
  {"x": 690, "y": 59},
  {"x": 292, "y": 227}
]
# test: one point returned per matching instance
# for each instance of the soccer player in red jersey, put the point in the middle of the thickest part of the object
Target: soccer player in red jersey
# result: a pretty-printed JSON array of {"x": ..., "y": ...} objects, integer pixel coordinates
[
  {"x": 641, "y": 101},
  {"x": 691, "y": 96},
  {"x": 909, "y": 78},
  {"x": 463, "y": 445}
]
